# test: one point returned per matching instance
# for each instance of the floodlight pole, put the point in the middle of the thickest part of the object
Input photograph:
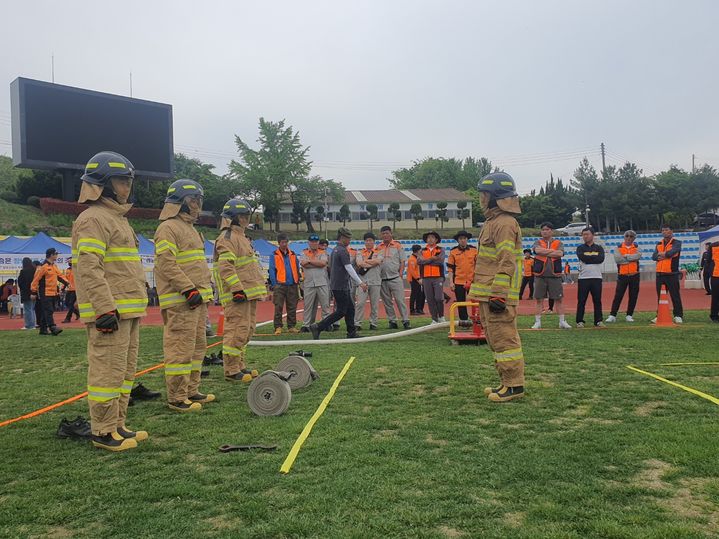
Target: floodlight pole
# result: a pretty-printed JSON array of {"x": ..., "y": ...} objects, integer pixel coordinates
[{"x": 68, "y": 184}]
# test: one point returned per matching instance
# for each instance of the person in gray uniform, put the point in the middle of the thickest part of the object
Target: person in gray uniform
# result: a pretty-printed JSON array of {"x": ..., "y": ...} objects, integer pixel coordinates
[
  {"x": 368, "y": 262},
  {"x": 315, "y": 287},
  {"x": 392, "y": 269}
]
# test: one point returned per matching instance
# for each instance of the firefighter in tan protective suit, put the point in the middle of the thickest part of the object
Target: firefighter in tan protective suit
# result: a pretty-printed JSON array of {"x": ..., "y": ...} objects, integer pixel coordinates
[
  {"x": 183, "y": 287},
  {"x": 497, "y": 277},
  {"x": 241, "y": 285},
  {"x": 111, "y": 296}
]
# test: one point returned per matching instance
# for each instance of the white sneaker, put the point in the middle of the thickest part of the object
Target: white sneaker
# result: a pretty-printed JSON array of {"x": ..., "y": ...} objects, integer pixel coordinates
[
  {"x": 563, "y": 325},
  {"x": 441, "y": 320},
  {"x": 580, "y": 325},
  {"x": 678, "y": 320},
  {"x": 653, "y": 320},
  {"x": 629, "y": 318},
  {"x": 611, "y": 319},
  {"x": 599, "y": 325},
  {"x": 537, "y": 325},
  {"x": 433, "y": 322}
]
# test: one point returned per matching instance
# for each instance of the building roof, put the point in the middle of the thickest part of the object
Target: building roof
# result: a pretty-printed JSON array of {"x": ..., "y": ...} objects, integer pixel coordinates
[{"x": 448, "y": 194}]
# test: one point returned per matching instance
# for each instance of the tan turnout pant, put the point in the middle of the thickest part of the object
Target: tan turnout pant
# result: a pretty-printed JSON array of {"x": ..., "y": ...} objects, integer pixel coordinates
[
  {"x": 240, "y": 320},
  {"x": 503, "y": 339},
  {"x": 184, "y": 344},
  {"x": 112, "y": 363}
]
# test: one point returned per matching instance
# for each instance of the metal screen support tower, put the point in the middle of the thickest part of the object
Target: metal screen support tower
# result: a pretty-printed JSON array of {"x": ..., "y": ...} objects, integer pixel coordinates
[{"x": 68, "y": 184}]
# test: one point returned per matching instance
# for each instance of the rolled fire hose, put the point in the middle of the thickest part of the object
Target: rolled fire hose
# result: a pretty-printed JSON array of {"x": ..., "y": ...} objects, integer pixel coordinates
[
  {"x": 270, "y": 394},
  {"x": 301, "y": 369}
]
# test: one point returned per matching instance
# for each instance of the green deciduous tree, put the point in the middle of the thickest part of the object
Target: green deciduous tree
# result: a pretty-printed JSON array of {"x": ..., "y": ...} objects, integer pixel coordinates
[
  {"x": 345, "y": 214},
  {"x": 463, "y": 212},
  {"x": 416, "y": 211},
  {"x": 372, "y": 214},
  {"x": 394, "y": 214},
  {"x": 441, "y": 213},
  {"x": 265, "y": 174},
  {"x": 437, "y": 172}
]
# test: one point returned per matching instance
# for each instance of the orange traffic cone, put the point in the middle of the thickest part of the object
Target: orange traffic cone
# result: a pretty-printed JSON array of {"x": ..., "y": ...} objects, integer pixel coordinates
[
  {"x": 664, "y": 317},
  {"x": 221, "y": 324}
]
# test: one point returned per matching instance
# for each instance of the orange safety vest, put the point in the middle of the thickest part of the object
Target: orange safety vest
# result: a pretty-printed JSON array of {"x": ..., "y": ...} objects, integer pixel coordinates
[
  {"x": 463, "y": 261},
  {"x": 633, "y": 267},
  {"x": 527, "y": 264},
  {"x": 412, "y": 269},
  {"x": 540, "y": 262},
  {"x": 668, "y": 265},
  {"x": 428, "y": 270},
  {"x": 280, "y": 267},
  {"x": 715, "y": 258},
  {"x": 70, "y": 277},
  {"x": 47, "y": 274}
]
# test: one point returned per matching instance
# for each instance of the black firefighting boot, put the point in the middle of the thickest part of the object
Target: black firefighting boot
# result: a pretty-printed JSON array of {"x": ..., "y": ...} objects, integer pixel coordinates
[
  {"x": 202, "y": 399},
  {"x": 79, "y": 429},
  {"x": 113, "y": 442},
  {"x": 489, "y": 390},
  {"x": 507, "y": 394},
  {"x": 185, "y": 406},
  {"x": 242, "y": 376},
  {"x": 138, "y": 435}
]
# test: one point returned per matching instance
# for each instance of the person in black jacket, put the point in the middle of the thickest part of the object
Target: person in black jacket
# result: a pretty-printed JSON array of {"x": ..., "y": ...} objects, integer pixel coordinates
[
  {"x": 706, "y": 266},
  {"x": 23, "y": 283},
  {"x": 591, "y": 257}
]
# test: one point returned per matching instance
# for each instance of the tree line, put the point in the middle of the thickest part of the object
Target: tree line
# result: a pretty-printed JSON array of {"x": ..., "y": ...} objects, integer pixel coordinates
[{"x": 276, "y": 171}]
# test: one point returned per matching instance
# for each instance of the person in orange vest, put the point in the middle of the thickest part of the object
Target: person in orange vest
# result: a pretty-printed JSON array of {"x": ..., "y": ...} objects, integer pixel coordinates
[
  {"x": 285, "y": 284},
  {"x": 44, "y": 287},
  {"x": 627, "y": 255},
  {"x": 567, "y": 273},
  {"x": 527, "y": 275},
  {"x": 460, "y": 264},
  {"x": 547, "y": 272},
  {"x": 416, "y": 295},
  {"x": 714, "y": 312},
  {"x": 431, "y": 271},
  {"x": 70, "y": 295},
  {"x": 666, "y": 255}
]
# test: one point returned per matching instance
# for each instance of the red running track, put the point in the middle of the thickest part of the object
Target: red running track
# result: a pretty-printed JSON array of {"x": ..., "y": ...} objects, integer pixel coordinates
[{"x": 692, "y": 299}]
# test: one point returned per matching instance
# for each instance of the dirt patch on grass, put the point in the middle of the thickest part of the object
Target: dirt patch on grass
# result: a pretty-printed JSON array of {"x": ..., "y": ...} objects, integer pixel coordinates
[
  {"x": 647, "y": 408},
  {"x": 431, "y": 440},
  {"x": 382, "y": 370},
  {"x": 515, "y": 520},
  {"x": 440, "y": 390},
  {"x": 417, "y": 390},
  {"x": 224, "y": 522},
  {"x": 651, "y": 476},
  {"x": 450, "y": 532},
  {"x": 690, "y": 501},
  {"x": 58, "y": 532}
]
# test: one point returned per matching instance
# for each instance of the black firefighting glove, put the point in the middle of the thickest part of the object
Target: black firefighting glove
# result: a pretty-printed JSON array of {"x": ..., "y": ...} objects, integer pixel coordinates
[
  {"x": 193, "y": 297},
  {"x": 108, "y": 322},
  {"x": 239, "y": 297},
  {"x": 497, "y": 305}
]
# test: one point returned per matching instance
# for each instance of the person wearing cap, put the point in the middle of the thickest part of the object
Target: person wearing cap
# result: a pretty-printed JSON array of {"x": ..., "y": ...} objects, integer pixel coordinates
[
  {"x": 44, "y": 287},
  {"x": 496, "y": 282},
  {"x": 368, "y": 262},
  {"x": 392, "y": 269},
  {"x": 667, "y": 254},
  {"x": 184, "y": 290},
  {"x": 111, "y": 296},
  {"x": 70, "y": 295},
  {"x": 285, "y": 283},
  {"x": 431, "y": 271},
  {"x": 416, "y": 295},
  {"x": 341, "y": 273},
  {"x": 315, "y": 286},
  {"x": 548, "y": 253},
  {"x": 460, "y": 263},
  {"x": 626, "y": 255},
  {"x": 527, "y": 275}
]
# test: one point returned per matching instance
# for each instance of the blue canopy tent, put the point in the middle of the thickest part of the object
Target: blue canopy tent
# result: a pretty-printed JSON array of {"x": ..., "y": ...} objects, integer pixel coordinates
[
  {"x": 298, "y": 246},
  {"x": 209, "y": 248},
  {"x": 710, "y": 235},
  {"x": 40, "y": 243},
  {"x": 264, "y": 247},
  {"x": 146, "y": 247},
  {"x": 9, "y": 244}
]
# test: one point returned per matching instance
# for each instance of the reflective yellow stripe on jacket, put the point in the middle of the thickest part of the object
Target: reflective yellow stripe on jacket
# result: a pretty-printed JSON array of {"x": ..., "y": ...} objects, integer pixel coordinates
[
  {"x": 122, "y": 254},
  {"x": 184, "y": 257},
  {"x": 168, "y": 300}
]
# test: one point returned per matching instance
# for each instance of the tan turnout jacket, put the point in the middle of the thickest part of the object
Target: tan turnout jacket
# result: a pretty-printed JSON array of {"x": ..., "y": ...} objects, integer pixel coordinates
[
  {"x": 108, "y": 270},
  {"x": 180, "y": 263},
  {"x": 237, "y": 266},
  {"x": 497, "y": 272}
]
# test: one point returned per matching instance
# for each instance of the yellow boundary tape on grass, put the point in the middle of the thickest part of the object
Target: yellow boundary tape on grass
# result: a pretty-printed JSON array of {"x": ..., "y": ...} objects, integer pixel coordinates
[
  {"x": 680, "y": 386},
  {"x": 689, "y": 363},
  {"x": 289, "y": 461}
]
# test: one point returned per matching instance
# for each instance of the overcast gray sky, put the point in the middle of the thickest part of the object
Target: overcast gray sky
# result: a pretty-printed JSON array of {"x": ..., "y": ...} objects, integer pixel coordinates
[{"x": 373, "y": 85}]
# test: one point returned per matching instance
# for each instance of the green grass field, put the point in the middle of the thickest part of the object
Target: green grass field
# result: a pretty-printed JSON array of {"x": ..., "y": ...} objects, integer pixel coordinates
[{"x": 408, "y": 447}]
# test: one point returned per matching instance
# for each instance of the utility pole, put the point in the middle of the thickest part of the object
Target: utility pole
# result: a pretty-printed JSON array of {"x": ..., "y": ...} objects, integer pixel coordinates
[
  {"x": 130, "y": 83},
  {"x": 694, "y": 168},
  {"x": 604, "y": 166},
  {"x": 52, "y": 67}
]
